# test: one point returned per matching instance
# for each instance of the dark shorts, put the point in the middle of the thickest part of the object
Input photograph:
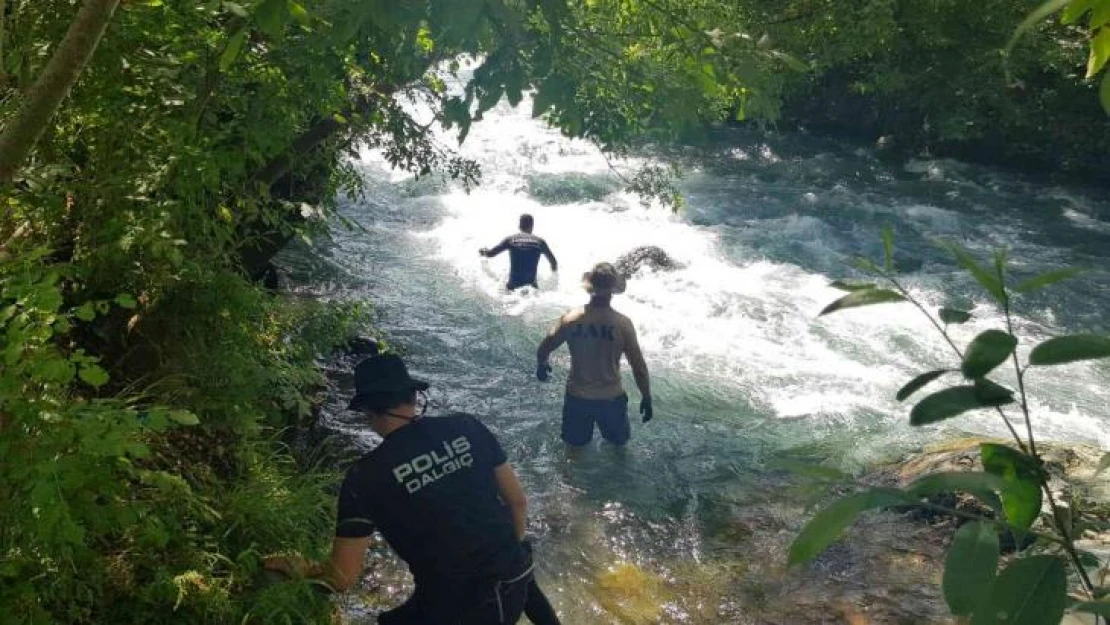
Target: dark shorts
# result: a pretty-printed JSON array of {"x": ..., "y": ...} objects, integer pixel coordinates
[
  {"x": 610, "y": 415},
  {"x": 492, "y": 603}
]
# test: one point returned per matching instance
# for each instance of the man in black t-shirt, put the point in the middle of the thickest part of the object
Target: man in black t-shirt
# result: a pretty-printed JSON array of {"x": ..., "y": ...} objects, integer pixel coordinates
[
  {"x": 525, "y": 249},
  {"x": 446, "y": 500}
]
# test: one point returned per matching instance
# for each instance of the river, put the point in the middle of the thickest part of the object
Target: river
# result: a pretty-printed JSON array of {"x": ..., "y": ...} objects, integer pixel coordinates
[{"x": 688, "y": 525}]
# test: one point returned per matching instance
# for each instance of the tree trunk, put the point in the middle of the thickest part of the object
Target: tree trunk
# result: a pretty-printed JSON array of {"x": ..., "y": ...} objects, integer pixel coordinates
[{"x": 53, "y": 85}]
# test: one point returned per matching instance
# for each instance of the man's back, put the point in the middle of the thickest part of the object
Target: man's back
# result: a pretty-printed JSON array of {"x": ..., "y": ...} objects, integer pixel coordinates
[
  {"x": 525, "y": 250},
  {"x": 597, "y": 338},
  {"x": 431, "y": 491}
]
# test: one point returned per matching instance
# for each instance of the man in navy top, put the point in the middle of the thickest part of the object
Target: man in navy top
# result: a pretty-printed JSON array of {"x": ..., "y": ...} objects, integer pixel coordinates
[
  {"x": 525, "y": 249},
  {"x": 441, "y": 492}
]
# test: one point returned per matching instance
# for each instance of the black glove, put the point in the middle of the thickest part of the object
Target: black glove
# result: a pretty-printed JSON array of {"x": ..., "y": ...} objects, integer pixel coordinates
[
  {"x": 483, "y": 252},
  {"x": 646, "y": 410},
  {"x": 543, "y": 372}
]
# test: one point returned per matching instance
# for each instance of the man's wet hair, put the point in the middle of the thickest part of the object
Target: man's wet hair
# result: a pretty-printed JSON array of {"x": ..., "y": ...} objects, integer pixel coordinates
[
  {"x": 527, "y": 222},
  {"x": 388, "y": 400}
]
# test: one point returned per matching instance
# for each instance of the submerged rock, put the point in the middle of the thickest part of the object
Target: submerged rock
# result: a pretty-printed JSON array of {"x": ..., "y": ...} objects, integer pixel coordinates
[{"x": 650, "y": 256}]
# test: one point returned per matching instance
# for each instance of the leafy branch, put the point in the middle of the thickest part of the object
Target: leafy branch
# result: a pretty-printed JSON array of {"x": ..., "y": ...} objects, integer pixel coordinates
[{"x": 1014, "y": 482}]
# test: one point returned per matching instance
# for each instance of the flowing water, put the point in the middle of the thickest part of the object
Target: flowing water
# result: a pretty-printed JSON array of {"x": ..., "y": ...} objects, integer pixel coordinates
[{"x": 687, "y": 525}]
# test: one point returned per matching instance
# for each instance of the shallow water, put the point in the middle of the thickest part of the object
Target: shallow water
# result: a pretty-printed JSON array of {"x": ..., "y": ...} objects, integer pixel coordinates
[{"x": 678, "y": 527}]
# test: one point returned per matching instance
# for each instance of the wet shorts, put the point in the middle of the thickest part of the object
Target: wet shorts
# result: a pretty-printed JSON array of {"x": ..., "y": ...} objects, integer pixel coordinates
[{"x": 611, "y": 416}]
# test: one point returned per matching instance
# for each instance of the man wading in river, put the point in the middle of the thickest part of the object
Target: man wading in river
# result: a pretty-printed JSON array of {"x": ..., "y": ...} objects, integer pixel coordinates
[
  {"x": 597, "y": 337},
  {"x": 444, "y": 497},
  {"x": 525, "y": 249}
]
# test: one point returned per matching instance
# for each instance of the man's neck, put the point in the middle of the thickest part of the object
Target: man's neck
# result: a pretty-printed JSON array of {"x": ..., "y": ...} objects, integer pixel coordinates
[
  {"x": 600, "y": 302},
  {"x": 386, "y": 424}
]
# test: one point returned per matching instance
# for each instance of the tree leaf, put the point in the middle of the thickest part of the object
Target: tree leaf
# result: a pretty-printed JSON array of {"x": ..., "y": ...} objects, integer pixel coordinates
[
  {"x": 984, "y": 486},
  {"x": 1022, "y": 497},
  {"x": 992, "y": 393},
  {"x": 1100, "y": 53},
  {"x": 233, "y": 49},
  {"x": 987, "y": 351},
  {"x": 298, "y": 12},
  {"x": 271, "y": 17},
  {"x": 1030, "y": 591},
  {"x": 970, "y": 568},
  {"x": 1075, "y": 10},
  {"x": 865, "y": 297},
  {"x": 1045, "y": 279},
  {"x": 1070, "y": 348},
  {"x": 845, "y": 285},
  {"x": 986, "y": 278},
  {"x": 85, "y": 312},
  {"x": 954, "y": 316},
  {"x": 918, "y": 382},
  {"x": 93, "y": 375},
  {"x": 1034, "y": 18},
  {"x": 183, "y": 417},
  {"x": 828, "y": 524},
  {"x": 126, "y": 300},
  {"x": 949, "y": 403}
]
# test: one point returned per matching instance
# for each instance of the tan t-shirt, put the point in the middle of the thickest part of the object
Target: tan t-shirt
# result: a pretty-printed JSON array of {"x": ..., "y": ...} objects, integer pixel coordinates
[{"x": 597, "y": 338}]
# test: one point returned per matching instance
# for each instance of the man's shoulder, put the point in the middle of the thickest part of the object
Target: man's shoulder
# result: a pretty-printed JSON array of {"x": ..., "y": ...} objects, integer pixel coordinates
[
  {"x": 621, "y": 318},
  {"x": 573, "y": 315}
]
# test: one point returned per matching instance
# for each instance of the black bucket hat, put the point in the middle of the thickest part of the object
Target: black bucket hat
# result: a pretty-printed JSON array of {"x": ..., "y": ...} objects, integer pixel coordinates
[{"x": 382, "y": 374}]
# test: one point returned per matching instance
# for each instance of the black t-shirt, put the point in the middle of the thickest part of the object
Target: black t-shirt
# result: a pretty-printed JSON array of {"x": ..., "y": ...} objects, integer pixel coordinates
[
  {"x": 431, "y": 491},
  {"x": 524, "y": 257}
]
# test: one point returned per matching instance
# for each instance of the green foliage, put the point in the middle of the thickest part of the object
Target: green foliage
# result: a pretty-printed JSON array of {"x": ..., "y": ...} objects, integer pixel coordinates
[
  {"x": 1022, "y": 474},
  {"x": 1064, "y": 349},
  {"x": 918, "y": 383},
  {"x": 1032, "y": 589},
  {"x": 130, "y": 510},
  {"x": 969, "y": 570},
  {"x": 863, "y": 297},
  {"x": 987, "y": 351}
]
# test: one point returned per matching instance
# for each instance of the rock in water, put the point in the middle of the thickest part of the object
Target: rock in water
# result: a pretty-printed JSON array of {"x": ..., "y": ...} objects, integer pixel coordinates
[{"x": 651, "y": 256}]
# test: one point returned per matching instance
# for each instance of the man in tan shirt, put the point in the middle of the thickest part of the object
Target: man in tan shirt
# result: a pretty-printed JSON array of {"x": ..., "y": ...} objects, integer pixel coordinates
[{"x": 597, "y": 337}]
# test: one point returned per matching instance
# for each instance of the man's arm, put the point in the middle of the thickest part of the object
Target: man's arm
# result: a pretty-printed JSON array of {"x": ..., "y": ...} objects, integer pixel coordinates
[
  {"x": 550, "y": 343},
  {"x": 550, "y": 257},
  {"x": 636, "y": 361},
  {"x": 500, "y": 247},
  {"x": 340, "y": 571},
  {"x": 513, "y": 495}
]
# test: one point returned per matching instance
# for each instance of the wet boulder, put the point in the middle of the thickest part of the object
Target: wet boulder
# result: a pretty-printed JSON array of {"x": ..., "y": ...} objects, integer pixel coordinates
[{"x": 652, "y": 257}]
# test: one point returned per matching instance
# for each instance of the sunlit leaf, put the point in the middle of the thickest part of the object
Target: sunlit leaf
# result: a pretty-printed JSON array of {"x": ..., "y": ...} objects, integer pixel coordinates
[
  {"x": 1103, "y": 464},
  {"x": 1075, "y": 10},
  {"x": 1034, "y": 18},
  {"x": 1022, "y": 497},
  {"x": 93, "y": 375},
  {"x": 183, "y": 417},
  {"x": 126, "y": 300},
  {"x": 1100, "y": 52},
  {"x": 987, "y": 351},
  {"x": 1030, "y": 591},
  {"x": 1070, "y": 348},
  {"x": 865, "y": 297},
  {"x": 828, "y": 524},
  {"x": 970, "y": 568},
  {"x": 949, "y": 403},
  {"x": 918, "y": 382}
]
